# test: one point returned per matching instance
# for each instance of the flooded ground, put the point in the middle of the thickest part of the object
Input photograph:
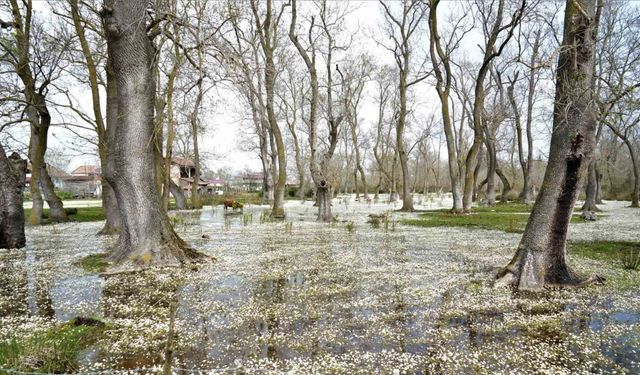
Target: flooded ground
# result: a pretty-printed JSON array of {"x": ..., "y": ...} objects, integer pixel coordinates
[{"x": 349, "y": 297}]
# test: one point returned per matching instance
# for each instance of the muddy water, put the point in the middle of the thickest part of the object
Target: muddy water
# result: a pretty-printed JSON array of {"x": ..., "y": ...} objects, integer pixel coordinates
[{"x": 301, "y": 296}]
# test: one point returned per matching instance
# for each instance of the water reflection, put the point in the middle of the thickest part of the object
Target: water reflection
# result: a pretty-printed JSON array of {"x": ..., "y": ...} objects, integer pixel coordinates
[{"x": 275, "y": 295}]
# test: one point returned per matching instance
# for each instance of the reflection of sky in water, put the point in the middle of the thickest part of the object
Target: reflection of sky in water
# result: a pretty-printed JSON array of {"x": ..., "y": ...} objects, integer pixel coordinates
[
  {"x": 317, "y": 295},
  {"x": 77, "y": 296}
]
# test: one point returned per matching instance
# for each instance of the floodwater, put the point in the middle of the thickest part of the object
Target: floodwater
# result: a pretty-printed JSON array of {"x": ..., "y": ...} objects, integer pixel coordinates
[{"x": 304, "y": 297}]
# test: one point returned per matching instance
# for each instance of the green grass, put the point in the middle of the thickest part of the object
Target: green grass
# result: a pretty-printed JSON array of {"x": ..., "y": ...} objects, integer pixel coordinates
[
  {"x": 94, "y": 263},
  {"x": 510, "y": 218},
  {"x": 52, "y": 351},
  {"x": 77, "y": 215},
  {"x": 607, "y": 251}
]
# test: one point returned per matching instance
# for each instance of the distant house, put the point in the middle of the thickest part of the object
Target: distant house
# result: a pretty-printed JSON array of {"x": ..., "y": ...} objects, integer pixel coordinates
[
  {"x": 216, "y": 186},
  {"x": 83, "y": 182},
  {"x": 252, "y": 181},
  {"x": 182, "y": 173}
]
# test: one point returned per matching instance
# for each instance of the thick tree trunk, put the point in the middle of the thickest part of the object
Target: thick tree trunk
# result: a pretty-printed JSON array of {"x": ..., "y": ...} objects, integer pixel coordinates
[
  {"x": 541, "y": 257},
  {"x": 506, "y": 186},
  {"x": 57, "y": 213},
  {"x": 598, "y": 185},
  {"x": 359, "y": 169},
  {"x": 146, "y": 236},
  {"x": 12, "y": 176},
  {"x": 591, "y": 190},
  {"x": 323, "y": 191},
  {"x": 635, "y": 198},
  {"x": 40, "y": 180},
  {"x": 407, "y": 198},
  {"x": 178, "y": 195}
]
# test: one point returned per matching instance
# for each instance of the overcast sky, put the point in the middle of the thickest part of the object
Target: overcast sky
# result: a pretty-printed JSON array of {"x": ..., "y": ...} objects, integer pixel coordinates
[{"x": 225, "y": 133}]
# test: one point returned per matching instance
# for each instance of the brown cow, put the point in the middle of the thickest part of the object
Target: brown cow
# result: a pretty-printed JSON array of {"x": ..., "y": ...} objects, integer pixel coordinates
[{"x": 231, "y": 203}]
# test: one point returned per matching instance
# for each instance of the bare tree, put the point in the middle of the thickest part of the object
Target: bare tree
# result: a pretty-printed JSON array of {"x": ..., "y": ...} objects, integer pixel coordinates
[
  {"x": 27, "y": 48},
  {"x": 492, "y": 48},
  {"x": 441, "y": 62},
  {"x": 268, "y": 35},
  {"x": 402, "y": 31},
  {"x": 541, "y": 257},
  {"x": 318, "y": 165}
]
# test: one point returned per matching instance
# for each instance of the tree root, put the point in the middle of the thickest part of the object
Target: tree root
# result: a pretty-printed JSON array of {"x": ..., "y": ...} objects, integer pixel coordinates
[{"x": 508, "y": 277}]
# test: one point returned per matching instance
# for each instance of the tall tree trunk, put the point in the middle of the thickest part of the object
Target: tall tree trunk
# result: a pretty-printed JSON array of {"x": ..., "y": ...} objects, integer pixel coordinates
[
  {"x": 109, "y": 201},
  {"x": 407, "y": 198},
  {"x": 171, "y": 129},
  {"x": 591, "y": 191},
  {"x": 146, "y": 236},
  {"x": 541, "y": 257},
  {"x": 492, "y": 165},
  {"x": 109, "y": 204},
  {"x": 635, "y": 198},
  {"x": 41, "y": 182},
  {"x": 359, "y": 168},
  {"x": 267, "y": 31},
  {"x": 443, "y": 87},
  {"x": 599, "y": 176},
  {"x": 12, "y": 176},
  {"x": 38, "y": 116},
  {"x": 478, "y": 187}
]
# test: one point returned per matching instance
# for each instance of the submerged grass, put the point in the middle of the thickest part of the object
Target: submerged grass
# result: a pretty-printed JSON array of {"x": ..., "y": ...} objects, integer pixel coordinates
[
  {"x": 94, "y": 263},
  {"x": 52, "y": 351},
  {"x": 507, "y": 217}
]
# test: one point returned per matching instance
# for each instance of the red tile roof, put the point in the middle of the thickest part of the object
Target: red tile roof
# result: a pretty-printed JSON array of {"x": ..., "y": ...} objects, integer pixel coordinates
[
  {"x": 86, "y": 170},
  {"x": 183, "y": 162}
]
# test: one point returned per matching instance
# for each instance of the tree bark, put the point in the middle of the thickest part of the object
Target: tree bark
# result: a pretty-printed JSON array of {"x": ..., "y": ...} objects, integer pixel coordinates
[
  {"x": 146, "y": 237},
  {"x": 178, "y": 195},
  {"x": 506, "y": 186},
  {"x": 109, "y": 201},
  {"x": 541, "y": 258},
  {"x": 12, "y": 176},
  {"x": 591, "y": 191}
]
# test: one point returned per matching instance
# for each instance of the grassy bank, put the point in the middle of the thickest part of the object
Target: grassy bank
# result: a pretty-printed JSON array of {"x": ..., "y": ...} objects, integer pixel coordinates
[
  {"x": 510, "y": 218},
  {"x": 54, "y": 350},
  {"x": 77, "y": 215}
]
